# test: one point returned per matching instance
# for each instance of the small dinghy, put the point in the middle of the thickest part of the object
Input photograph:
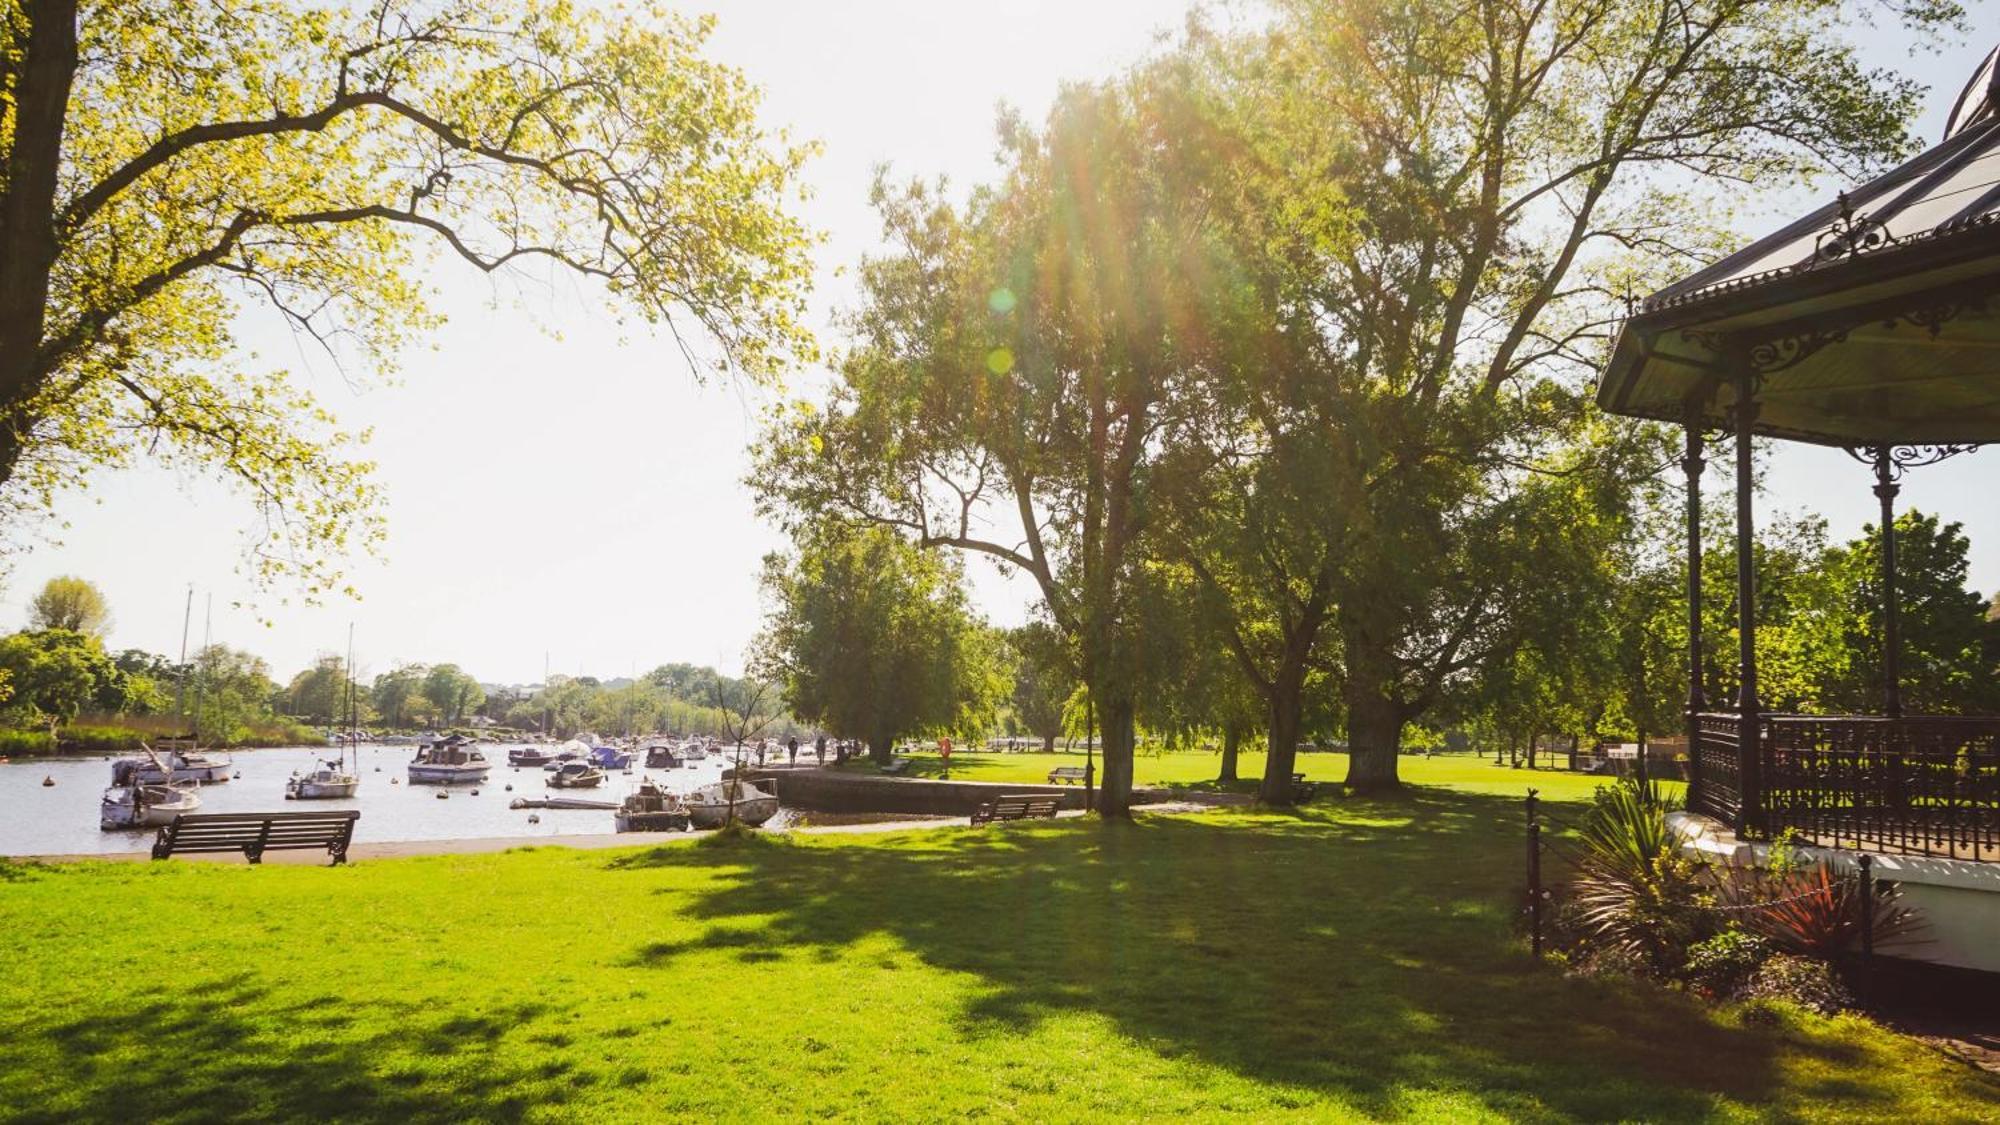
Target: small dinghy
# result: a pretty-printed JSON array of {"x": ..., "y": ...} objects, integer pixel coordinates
[
  {"x": 652, "y": 809},
  {"x": 576, "y": 775},
  {"x": 712, "y": 805}
]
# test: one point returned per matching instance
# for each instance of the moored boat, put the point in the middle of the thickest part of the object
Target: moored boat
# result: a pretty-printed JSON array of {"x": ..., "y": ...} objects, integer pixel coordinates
[
  {"x": 576, "y": 775},
  {"x": 611, "y": 758},
  {"x": 661, "y": 757},
  {"x": 132, "y": 804},
  {"x": 651, "y": 809},
  {"x": 329, "y": 781},
  {"x": 449, "y": 761},
  {"x": 529, "y": 756},
  {"x": 178, "y": 761},
  {"x": 712, "y": 806}
]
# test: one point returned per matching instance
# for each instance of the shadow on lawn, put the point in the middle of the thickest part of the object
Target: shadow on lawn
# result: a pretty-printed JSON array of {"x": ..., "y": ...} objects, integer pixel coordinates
[
  {"x": 181, "y": 1052},
  {"x": 1361, "y": 957}
]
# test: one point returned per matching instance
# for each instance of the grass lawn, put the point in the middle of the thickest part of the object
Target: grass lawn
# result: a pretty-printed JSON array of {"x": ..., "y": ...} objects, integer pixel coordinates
[
  {"x": 1353, "y": 962},
  {"x": 1463, "y": 772}
]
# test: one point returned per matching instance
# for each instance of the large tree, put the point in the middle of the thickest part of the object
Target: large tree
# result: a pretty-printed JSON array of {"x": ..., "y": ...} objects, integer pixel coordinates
[
  {"x": 1044, "y": 679},
  {"x": 454, "y": 693},
  {"x": 1465, "y": 189},
  {"x": 873, "y": 637},
  {"x": 163, "y": 163},
  {"x": 1020, "y": 363},
  {"x": 68, "y": 602}
]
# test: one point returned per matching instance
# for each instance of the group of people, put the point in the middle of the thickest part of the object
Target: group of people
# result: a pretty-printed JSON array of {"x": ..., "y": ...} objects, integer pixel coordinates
[{"x": 842, "y": 750}]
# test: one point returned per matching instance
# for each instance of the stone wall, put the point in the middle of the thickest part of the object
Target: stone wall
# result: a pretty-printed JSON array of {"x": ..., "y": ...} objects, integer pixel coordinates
[{"x": 833, "y": 791}]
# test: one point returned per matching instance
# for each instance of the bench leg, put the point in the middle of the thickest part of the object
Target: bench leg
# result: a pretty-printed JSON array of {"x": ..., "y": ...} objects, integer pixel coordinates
[{"x": 254, "y": 854}]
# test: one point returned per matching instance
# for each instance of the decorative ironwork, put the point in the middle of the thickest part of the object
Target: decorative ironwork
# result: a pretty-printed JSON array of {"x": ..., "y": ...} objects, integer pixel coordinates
[
  {"x": 1903, "y": 458},
  {"x": 1713, "y": 760},
  {"x": 1926, "y": 785},
  {"x": 1851, "y": 233},
  {"x": 1792, "y": 344}
]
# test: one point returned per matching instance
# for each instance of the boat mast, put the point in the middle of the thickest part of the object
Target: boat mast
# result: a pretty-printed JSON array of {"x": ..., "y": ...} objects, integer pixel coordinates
[
  {"x": 180, "y": 683},
  {"x": 207, "y": 632},
  {"x": 348, "y": 737}
]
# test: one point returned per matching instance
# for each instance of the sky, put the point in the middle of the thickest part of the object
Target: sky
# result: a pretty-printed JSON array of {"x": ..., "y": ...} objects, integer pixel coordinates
[{"x": 563, "y": 494}]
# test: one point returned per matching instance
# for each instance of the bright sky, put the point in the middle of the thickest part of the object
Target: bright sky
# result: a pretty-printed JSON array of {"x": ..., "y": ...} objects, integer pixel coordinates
[{"x": 575, "y": 498}]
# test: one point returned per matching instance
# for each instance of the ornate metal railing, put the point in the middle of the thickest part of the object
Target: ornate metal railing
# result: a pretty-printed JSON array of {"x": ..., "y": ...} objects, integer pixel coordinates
[
  {"x": 1917, "y": 785},
  {"x": 1719, "y": 790}
]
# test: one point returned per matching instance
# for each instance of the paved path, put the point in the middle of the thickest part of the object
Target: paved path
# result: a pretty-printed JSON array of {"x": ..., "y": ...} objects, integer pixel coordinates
[{"x": 402, "y": 849}]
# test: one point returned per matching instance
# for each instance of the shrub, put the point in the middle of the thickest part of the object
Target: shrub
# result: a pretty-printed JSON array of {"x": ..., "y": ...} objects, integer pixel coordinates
[
  {"x": 1722, "y": 965},
  {"x": 26, "y": 742},
  {"x": 1799, "y": 980},
  {"x": 1814, "y": 910},
  {"x": 1635, "y": 891}
]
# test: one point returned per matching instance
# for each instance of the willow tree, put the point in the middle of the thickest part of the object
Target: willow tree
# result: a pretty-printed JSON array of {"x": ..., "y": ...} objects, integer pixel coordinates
[
  {"x": 164, "y": 163},
  {"x": 1466, "y": 190},
  {"x": 1019, "y": 364}
]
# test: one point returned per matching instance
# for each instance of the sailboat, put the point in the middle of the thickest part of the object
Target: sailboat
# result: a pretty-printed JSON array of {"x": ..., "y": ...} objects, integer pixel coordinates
[
  {"x": 130, "y": 803},
  {"x": 334, "y": 780},
  {"x": 184, "y": 759}
]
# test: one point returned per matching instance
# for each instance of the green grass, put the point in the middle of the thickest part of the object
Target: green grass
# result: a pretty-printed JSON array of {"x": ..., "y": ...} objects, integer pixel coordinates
[
  {"x": 1354, "y": 962},
  {"x": 1463, "y": 772}
]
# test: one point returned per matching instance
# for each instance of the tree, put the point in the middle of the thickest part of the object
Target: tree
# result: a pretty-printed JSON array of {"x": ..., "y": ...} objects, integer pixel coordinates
[
  {"x": 1018, "y": 368},
  {"x": 319, "y": 694},
  {"x": 1044, "y": 679},
  {"x": 872, "y": 636},
  {"x": 55, "y": 673},
  {"x": 452, "y": 692},
  {"x": 1948, "y": 644},
  {"x": 71, "y": 604},
  {"x": 397, "y": 691},
  {"x": 230, "y": 689},
  {"x": 1460, "y": 192},
  {"x": 163, "y": 162}
]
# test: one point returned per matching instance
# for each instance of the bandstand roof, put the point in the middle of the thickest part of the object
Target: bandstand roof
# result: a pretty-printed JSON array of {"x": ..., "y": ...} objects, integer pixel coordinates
[{"x": 1873, "y": 320}]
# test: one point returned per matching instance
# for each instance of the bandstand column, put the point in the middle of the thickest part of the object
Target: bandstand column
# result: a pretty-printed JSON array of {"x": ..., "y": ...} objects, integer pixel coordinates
[
  {"x": 1697, "y": 702},
  {"x": 1747, "y": 705},
  {"x": 1892, "y": 632}
]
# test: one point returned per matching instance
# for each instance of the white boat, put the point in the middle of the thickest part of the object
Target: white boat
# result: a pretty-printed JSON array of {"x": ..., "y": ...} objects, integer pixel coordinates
[
  {"x": 692, "y": 752},
  {"x": 448, "y": 761},
  {"x": 131, "y": 804},
  {"x": 329, "y": 781},
  {"x": 176, "y": 763},
  {"x": 576, "y": 775},
  {"x": 651, "y": 809},
  {"x": 712, "y": 805},
  {"x": 335, "y": 780}
]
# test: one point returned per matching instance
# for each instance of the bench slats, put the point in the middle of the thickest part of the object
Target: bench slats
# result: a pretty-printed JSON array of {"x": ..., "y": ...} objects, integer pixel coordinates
[
  {"x": 1017, "y": 806},
  {"x": 253, "y": 834}
]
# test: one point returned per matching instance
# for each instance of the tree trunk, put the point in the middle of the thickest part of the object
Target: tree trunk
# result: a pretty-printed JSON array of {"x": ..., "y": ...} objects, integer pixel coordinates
[
  {"x": 1287, "y": 714},
  {"x": 1048, "y": 744},
  {"x": 1114, "y": 776},
  {"x": 42, "y": 73},
  {"x": 1374, "y": 734},
  {"x": 1232, "y": 739},
  {"x": 881, "y": 748}
]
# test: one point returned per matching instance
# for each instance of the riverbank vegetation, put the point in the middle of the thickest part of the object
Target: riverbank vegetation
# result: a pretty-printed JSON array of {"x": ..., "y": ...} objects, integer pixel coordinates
[{"x": 1363, "y": 964}]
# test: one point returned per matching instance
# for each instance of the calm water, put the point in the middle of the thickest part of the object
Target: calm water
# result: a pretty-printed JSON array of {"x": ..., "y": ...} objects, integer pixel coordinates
[{"x": 62, "y": 819}]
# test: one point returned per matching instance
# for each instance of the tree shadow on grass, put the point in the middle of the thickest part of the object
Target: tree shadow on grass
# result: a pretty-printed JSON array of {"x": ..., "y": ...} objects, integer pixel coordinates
[
  {"x": 1361, "y": 949},
  {"x": 180, "y": 1052}
]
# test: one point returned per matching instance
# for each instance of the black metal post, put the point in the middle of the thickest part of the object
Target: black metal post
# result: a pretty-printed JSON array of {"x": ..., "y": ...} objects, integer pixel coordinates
[
  {"x": 1892, "y": 632},
  {"x": 1534, "y": 877},
  {"x": 1750, "y": 789},
  {"x": 1697, "y": 700},
  {"x": 1089, "y": 755},
  {"x": 1867, "y": 865}
]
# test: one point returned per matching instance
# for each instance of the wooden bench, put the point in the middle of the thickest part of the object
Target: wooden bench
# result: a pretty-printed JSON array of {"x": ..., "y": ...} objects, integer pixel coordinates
[
  {"x": 253, "y": 834},
  {"x": 1303, "y": 791},
  {"x": 1016, "y": 806},
  {"x": 1066, "y": 775}
]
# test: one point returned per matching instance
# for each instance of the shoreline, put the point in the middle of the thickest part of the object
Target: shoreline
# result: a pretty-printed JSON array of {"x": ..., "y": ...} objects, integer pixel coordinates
[{"x": 488, "y": 845}]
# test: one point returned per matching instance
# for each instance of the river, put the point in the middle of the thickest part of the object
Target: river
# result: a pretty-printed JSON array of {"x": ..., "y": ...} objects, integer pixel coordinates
[{"x": 62, "y": 819}]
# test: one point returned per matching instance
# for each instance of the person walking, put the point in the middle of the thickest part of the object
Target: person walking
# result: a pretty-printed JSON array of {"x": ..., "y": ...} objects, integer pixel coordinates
[{"x": 792, "y": 751}]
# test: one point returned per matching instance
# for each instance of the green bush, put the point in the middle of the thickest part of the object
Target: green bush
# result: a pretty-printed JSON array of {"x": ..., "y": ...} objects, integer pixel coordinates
[
  {"x": 1720, "y": 966},
  {"x": 1802, "y": 981},
  {"x": 26, "y": 743}
]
